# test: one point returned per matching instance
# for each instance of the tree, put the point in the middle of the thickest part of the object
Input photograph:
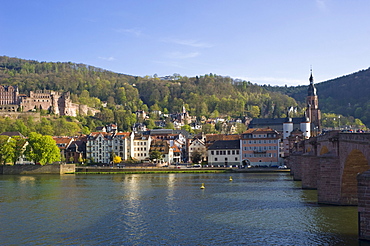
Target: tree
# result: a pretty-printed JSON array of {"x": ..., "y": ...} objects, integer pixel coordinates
[
  {"x": 6, "y": 149},
  {"x": 255, "y": 111},
  {"x": 196, "y": 157},
  {"x": 150, "y": 124},
  {"x": 19, "y": 147},
  {"x": 240, "y": 128},
  {"x": 187, "y": 128},
  {"x": 155, "y": 155},
  {"x": 42, "y": 149},
  {"x": 117, "y": 159}
]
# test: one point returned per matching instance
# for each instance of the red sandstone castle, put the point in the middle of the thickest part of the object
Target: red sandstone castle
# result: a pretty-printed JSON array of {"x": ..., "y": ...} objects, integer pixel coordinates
[{"x": 55, "y": 102}]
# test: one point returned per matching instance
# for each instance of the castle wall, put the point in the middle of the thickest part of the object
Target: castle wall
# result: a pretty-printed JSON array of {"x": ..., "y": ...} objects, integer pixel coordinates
[
  {"x": 37, "y": 100},
  {"x": 57, "y": 103},
  {"x": 8, "y": 95}
]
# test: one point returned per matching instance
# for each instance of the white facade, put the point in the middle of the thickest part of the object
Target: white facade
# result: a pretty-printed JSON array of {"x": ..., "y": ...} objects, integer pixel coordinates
[
  {"x": 306, "y": 129},
  {"x": 141, "y": 147},
  {"x": 199, "y": 146},
  {"x": 225, "y": 153},
  {"x": 101, "y": 145},
  {"x": 287, "y": 129}
]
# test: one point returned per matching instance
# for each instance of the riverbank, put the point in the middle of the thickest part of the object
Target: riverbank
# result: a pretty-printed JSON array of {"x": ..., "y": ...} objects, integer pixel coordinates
[
  {"x": 140, "y": 170},
  {"x": 73, "y": 169}
]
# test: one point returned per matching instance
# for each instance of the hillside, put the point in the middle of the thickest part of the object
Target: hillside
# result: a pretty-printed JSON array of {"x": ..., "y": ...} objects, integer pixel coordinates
[
  {"x": 347, "y": 95},
  {"x": 208, "y": 95}
]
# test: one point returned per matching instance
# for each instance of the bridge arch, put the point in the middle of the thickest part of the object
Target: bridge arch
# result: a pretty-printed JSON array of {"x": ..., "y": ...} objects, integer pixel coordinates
[{"x": 355, "y": 163}]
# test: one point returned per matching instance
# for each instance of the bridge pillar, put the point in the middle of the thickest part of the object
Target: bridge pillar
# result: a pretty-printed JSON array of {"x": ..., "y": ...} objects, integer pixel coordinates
[
  {"x": 295, "y": 165},
  {"x": 363, "y": 185},
  {"x": 310, "y": 170},
  {"x": 329, "y": 180}
]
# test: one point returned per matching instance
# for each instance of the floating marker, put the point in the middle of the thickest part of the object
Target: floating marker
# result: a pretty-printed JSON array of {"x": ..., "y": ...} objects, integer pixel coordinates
[
  {"x": 202, "y": 187},
  {"x": 231, "y": 179}
]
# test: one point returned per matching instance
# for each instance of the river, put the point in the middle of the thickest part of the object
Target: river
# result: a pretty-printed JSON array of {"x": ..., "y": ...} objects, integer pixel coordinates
[{"x": 169, "y": 209}]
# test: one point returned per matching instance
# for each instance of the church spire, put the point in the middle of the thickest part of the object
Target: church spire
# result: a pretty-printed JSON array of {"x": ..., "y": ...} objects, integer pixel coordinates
[{"x": 311, "y": 88}]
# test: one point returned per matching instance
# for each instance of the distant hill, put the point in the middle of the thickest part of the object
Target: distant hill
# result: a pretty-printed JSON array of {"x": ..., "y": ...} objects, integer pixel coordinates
[
  {"x": 208, "y": 95},
  {"x": 348, "y": 95}
]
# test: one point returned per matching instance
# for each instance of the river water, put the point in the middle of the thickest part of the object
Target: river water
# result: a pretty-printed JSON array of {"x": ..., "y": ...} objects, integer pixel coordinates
[{"x": 169, "y": 209}]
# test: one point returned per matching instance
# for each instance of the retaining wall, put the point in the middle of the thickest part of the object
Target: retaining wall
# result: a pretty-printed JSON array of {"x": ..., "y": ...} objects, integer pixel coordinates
[{"x": 37, "y": 169}]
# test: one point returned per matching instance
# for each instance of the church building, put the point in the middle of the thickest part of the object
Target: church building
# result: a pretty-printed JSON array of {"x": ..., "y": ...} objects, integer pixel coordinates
[{"x": 296, "y": 129}]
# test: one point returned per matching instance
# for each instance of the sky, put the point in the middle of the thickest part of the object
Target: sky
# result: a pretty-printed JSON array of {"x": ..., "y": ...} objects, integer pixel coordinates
[{"x": 273, "y": 42}]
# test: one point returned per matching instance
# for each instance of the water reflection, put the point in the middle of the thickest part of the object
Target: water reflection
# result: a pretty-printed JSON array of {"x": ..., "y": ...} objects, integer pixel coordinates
[{"x": 169, "y": 209}]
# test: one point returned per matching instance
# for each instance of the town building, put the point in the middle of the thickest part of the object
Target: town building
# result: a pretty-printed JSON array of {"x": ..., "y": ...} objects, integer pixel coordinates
[
  {"x": 224, "y": 153},
  {"x": 197, "y": 145},
  {"x": 77, "y": 150},
  {"x": 63, "y": 143},
  {"x": 260, "y": 147},
  {"x": 177, "y": 154},
  {"x": 141, "y": 147},
  {"x": 164, "y": 148},
  {"x": 122, "y": 144},
  {"x": 99, "y": 147}
]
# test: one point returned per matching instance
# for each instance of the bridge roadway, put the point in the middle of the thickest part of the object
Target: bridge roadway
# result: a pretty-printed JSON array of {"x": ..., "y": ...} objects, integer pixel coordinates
[{"x": 336, "y": 164}]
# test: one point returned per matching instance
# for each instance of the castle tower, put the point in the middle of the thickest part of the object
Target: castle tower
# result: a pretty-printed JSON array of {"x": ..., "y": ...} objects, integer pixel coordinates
[{"x": 313, "y": 111}]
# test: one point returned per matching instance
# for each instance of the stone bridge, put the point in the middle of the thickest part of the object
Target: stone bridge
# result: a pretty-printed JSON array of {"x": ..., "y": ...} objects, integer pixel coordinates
[{"x": 331, "y": 163}]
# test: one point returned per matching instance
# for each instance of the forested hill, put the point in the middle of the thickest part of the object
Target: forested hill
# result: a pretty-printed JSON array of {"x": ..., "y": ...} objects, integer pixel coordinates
[
  {"x": 208, "y": 95},
  {"x": 348, "y": 95}
]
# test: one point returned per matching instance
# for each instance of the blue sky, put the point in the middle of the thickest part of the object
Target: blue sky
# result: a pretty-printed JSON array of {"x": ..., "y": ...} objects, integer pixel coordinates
[{"x": 263, "y": 41}]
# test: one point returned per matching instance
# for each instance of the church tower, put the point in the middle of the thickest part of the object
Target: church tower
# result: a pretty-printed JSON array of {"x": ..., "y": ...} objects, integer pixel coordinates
[{"x": 313, "y": 111}]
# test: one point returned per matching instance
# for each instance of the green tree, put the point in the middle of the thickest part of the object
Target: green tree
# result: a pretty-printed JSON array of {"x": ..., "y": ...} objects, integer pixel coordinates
[
  {"x": 42, "y": 149},
  {"x": 240, "y": 128},
  {"x": 19, "y": 147},
  {"x": 155, "y": 155},
  {"x": 6, "y": 149},
  {"x": 255, "y": 111},
  {"x": 196, "y": 157},
  {"x": 187, "y": 128},
  {"x": 150, "y": 124}
]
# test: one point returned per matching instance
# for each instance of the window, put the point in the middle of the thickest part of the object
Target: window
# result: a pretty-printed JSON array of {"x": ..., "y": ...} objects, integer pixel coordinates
[
  {"x": 236, "y": 158},
  {"x": 215, "y": 159},
  {"x": 212, "y": 152}
]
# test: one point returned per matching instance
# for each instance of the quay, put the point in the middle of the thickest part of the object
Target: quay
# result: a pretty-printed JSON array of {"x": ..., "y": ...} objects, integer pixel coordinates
[{"x": 138, "y": 169}]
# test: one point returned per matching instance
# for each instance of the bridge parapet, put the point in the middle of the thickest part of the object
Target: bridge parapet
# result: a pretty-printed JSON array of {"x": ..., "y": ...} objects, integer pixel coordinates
[{"x": 363, "y": 138}]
